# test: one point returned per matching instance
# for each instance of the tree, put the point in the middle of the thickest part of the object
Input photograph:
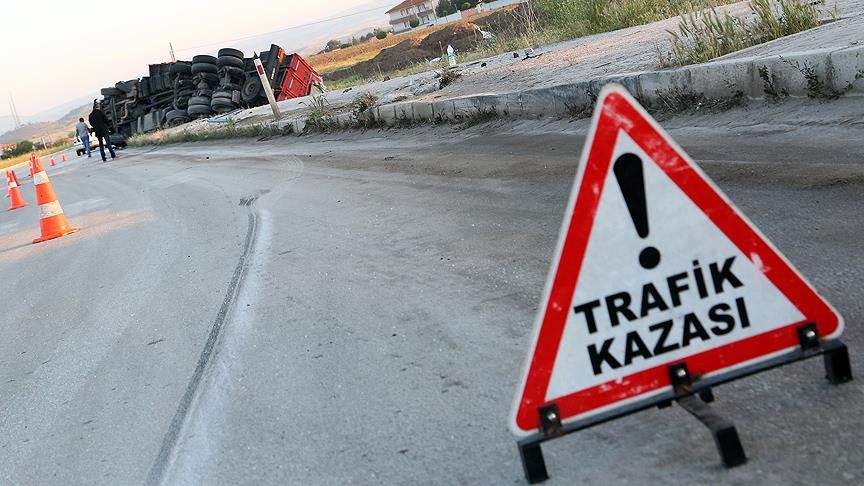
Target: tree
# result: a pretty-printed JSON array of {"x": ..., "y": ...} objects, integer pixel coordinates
[
  {"x": 23, "y": 147},
  {"x": 445, "y": 8},
  {"x": 381, "y": 34},
  {"x": 332, "y": 45},
  {"x": 414, "y": 22}
]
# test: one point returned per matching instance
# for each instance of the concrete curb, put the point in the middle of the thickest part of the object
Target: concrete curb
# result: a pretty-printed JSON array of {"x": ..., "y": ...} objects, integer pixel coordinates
[{"x": 819, "y": 73}]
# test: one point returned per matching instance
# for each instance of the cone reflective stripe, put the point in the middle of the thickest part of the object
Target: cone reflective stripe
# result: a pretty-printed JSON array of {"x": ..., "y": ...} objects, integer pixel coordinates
[
  {"x": 15, "y": 198},
  {"x": 50, "y": 209},
  {"x": 52, "y": 221}
]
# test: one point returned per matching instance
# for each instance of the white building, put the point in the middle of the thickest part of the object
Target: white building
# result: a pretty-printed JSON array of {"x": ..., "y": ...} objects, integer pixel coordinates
[{"x": 401, "y": 15}]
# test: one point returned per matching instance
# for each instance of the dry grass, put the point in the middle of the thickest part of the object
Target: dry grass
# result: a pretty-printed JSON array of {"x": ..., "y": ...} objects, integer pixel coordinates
[
  {"x": 706, "y": 35},
  {"x": 5, "y": 164},
  {"x": 343, "y": 58},
  {"x": 349, "y": 82}
]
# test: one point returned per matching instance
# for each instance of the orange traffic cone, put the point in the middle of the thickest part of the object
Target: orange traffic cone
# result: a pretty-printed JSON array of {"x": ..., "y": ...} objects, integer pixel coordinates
[
  {"x": 32, "y": 164},
  {"x": 15, "y": 198},
  {"x": 63, "y": 157},
  {"x": 52, "y": 221},
  {"x": 53, "y": 162},
  {"x": 15, "y": 176}
]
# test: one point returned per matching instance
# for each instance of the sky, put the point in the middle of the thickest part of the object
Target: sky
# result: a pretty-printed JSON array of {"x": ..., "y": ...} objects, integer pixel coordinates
[{"x": 54, "y": 51}]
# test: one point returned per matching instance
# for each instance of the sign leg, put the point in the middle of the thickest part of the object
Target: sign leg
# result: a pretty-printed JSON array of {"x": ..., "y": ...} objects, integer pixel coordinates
[
  {"x": 533, "y": 463},
  {"x": 837, "y": 367},
  {"x": 724, "y": 432}
]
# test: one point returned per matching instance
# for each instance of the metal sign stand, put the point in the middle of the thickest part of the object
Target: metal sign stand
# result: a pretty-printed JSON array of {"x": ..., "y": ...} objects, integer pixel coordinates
[{"x": 694, "y": 395}]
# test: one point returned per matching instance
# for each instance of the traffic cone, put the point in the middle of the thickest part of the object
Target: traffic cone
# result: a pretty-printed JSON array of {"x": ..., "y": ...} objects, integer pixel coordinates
[
  {"x": 53, "y": 162},
  {"x": 32, "y": 164},
  {"x": 63, "y": 157},
  {"x": 11, "y": 172},
  {"x": 15, "y": 198},
  {"x": 52, "y": 221}
]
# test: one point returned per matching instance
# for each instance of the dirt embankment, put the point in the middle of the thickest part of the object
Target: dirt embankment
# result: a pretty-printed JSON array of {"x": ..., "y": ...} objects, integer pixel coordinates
[{"x": 463, "y": 35}]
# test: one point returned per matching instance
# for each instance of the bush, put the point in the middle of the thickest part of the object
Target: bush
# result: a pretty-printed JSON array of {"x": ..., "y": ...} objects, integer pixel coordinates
[
  {"x": 576, "y": 18},
  {"x": 22, "y": 147},
  {"x": 703, "y": 36},
  {"x": 362, "y": 103},
  {"x": 465, "y": 6},
  {"x": 414, "y": 22},
  {"x": 381, "y": 34}
]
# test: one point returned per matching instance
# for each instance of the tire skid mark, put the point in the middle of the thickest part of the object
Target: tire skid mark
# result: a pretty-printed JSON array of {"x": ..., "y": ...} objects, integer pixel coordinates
[{"x": 167, "y": 451}]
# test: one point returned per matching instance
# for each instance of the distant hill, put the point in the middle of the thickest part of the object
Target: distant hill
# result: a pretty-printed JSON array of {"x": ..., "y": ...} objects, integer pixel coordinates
[
  {"x": 57, "y": 129},
  {"x": 50, "y": 114}
]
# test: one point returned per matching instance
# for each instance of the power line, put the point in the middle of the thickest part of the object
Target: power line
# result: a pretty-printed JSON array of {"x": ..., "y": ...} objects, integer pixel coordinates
[{"x": 323, "y": 21}]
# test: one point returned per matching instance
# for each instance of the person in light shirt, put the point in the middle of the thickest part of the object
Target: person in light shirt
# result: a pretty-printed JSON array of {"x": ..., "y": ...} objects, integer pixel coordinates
[{"x": 82, "y": 132}]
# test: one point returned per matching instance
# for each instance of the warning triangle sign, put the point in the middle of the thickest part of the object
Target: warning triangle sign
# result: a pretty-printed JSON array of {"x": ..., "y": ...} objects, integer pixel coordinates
[{"x": 654, "y": 267}]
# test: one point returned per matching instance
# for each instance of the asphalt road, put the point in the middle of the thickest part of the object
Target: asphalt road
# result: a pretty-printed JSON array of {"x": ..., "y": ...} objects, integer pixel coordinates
[{"x": 355, "y": 309}]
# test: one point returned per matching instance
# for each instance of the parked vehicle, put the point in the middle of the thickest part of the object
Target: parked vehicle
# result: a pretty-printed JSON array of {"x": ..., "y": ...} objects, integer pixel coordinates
[
  {"x": 81, "y": 150},
  {"x": 118, "y": 140},
  {"x": 176, "y": 93}
]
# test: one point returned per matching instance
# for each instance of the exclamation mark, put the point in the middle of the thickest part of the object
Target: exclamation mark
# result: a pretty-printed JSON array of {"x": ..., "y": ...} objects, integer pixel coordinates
[{"x": 631, "y": 179}]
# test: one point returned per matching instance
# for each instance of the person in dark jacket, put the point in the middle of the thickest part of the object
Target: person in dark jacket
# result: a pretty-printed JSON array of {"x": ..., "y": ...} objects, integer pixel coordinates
[{"x": 99, "y": 122}]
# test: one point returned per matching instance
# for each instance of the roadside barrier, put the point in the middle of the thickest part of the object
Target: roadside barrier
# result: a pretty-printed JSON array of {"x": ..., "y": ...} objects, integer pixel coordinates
[
  {"x": 52, "y": 221},
  {"x": 14, "y": 192}
]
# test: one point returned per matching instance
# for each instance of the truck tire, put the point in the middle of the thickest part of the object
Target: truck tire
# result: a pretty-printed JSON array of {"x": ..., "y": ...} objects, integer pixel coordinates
[
  {"x": 221, "y": 105},
  {"x": 199, "y": 100},
  {"x": 203, "y": 59},
  {"x": 234, "y": 71},
  {"x": 180, "y": 68},
  {"x": 230, "y": 61},
  {"x": 206, "y": 78},
  {"x": 176, "y": 117},
  {"x": 252, "y": 89},
  {"x": 204, "y": 67},
  {"x": 230, "y": 52},
  {"x": 199, "y": 110},
  {"x": 222, "y": 100},
  {"x": 112, "y": 92}
]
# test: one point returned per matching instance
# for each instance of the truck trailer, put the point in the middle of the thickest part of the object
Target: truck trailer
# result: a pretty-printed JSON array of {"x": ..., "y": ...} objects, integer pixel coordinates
[{"x": 178, "y": 92}]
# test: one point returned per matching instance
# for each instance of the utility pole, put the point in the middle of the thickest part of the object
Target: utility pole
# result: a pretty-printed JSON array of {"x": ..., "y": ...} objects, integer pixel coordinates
[
  {"x": 171, "y": 50},
  {"x": 15, "y": 118}
]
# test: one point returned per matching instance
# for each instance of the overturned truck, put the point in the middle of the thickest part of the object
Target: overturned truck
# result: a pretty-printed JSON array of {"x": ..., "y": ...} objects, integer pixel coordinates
[{"x": 179, "y": 92}]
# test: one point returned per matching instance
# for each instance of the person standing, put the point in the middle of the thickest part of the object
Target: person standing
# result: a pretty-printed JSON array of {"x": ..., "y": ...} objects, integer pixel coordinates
[
  {"x": 99, "y": 122},
  {"x": 82, "y": 131}
]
